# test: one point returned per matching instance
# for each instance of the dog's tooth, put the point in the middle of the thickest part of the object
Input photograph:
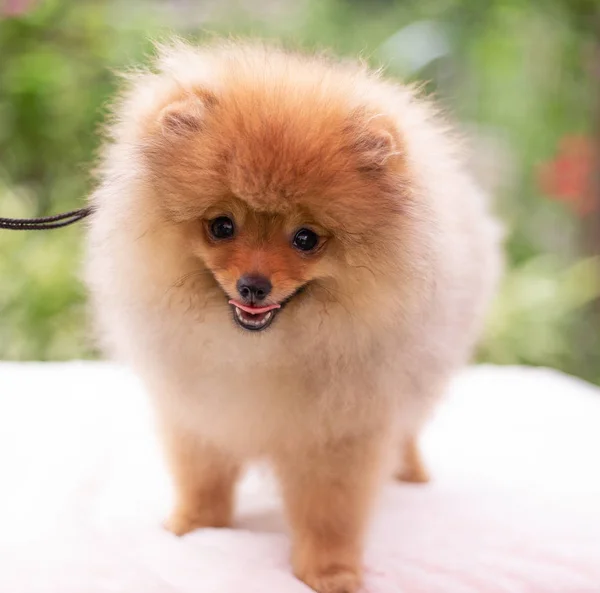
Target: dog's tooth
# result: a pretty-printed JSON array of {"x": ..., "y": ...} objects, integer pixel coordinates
[{"x": 248, "y": 320}]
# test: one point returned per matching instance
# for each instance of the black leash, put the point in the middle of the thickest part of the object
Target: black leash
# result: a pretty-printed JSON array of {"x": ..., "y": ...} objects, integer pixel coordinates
[{"x": 45, "y": 222}]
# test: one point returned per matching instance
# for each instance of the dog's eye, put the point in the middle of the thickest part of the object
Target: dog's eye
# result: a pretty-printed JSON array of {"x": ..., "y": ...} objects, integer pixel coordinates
[
  {"x": 305, "y": 240},
  {"x": 222, "y": 227}
]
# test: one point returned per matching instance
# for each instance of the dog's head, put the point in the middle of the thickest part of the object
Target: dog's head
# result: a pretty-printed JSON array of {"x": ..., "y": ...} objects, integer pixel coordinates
[{"x": 288, "y": 180}]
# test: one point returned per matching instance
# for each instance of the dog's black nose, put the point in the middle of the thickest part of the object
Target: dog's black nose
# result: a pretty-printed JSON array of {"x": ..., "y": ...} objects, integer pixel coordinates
[{"x": 254, "y": 288}]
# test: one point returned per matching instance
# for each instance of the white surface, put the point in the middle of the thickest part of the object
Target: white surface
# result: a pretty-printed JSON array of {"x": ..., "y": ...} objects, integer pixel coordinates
[{"x": 514, "y": 505}]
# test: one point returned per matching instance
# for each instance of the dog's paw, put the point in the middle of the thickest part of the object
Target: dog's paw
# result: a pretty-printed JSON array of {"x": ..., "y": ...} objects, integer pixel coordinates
[
  {"x": 413, "y": 468},
  {"x": 413, "y": 475},
  {"x": 333, "y": 580},
  {"x": 182, "y": 522}
]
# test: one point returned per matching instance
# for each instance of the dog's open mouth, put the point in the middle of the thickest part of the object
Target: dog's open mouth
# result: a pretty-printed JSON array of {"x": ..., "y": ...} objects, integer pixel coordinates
[{"x": 253, "y": 318}]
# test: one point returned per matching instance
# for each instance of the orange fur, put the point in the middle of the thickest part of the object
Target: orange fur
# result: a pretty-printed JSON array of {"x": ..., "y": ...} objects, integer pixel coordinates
[{"x": 394, "y": 295}]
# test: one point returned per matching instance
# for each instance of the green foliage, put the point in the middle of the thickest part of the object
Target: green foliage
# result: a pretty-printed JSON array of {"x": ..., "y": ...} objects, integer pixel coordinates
[
  {"x": 41, "y": 300},
  {"x": 514, "y": 71},
  {"x": 535, "y": 316},
  {"x": 55, "y": 76}
]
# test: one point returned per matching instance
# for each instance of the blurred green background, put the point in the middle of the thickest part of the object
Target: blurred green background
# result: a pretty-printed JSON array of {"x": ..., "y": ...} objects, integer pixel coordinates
[{"x": 521, "y": 78}]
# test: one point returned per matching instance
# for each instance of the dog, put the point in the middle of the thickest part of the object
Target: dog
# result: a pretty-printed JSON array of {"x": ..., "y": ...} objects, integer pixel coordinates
[{"x": 289, "y": 251}]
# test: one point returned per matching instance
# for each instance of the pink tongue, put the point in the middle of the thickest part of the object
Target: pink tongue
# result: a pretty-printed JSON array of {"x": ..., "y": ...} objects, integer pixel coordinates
[{"x": 254, "y": 310}]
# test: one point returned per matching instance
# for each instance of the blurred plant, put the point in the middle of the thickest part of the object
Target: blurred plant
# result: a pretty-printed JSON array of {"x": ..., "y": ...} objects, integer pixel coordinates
[
  {"x": 41, "y": 300},
  {"x": 539, "y": 304},
  {"x": 54, "y": 78}
]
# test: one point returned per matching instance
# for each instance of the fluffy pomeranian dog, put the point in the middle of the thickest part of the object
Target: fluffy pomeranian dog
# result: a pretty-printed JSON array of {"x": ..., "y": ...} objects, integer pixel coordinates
[{"x": 290, "y": 254}]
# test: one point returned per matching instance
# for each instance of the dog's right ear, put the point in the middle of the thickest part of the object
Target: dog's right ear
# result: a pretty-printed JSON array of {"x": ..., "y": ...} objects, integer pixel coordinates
[{"x": 186, "y": 115}]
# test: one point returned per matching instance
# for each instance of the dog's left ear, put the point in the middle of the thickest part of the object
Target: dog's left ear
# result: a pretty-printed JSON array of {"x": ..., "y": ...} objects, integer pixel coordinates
[{"x": 377, "y": 143}]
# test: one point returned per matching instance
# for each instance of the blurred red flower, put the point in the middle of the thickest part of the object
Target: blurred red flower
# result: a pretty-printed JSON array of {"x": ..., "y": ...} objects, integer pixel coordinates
[
  {"x": 568, "y": 177},
  {"x": 15, "y": 7}
]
